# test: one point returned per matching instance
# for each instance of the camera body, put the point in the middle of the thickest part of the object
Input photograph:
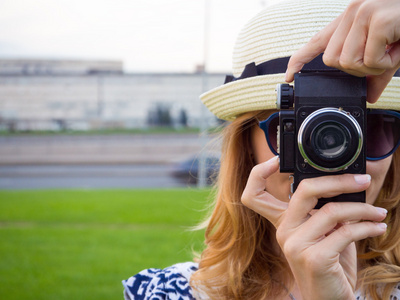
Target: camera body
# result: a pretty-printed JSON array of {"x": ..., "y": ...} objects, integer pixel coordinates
[{"x": 322, "y": 128}]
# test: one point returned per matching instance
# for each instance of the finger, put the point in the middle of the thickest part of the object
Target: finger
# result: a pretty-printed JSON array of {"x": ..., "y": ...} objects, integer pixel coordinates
[
  {"x": 333, "y": 51},
  {"x": 375, "y": 55},
  {"x": 310, "y": 190},
  {"x": 330, "y": 215},
  {"x": 377, "y": 84},
  {"x": 258, "y": 176},
  {"x": 341, "y": 238},
  {"x": 257, "y": 199},
  {"x": 312, "y": 49},
  {"x": 381, "y": 49},
  {"x": 394, "y": 51},
  {"x": 353, "y": 53}
]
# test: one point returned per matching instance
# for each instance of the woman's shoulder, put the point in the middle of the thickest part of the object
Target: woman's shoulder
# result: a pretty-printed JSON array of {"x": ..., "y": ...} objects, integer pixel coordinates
[{"x": 169, "y": 283}]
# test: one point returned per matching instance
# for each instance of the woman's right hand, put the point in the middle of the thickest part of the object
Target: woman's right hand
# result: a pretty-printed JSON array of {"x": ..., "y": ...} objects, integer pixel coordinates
[{"x": 318, "y": 245}]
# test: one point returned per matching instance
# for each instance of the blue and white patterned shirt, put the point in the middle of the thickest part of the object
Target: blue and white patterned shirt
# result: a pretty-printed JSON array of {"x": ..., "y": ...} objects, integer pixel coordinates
[{"x": 172, "y": 283}]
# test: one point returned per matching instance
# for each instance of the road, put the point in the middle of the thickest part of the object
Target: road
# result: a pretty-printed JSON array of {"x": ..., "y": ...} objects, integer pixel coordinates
[{"x": 95, "y": 161}]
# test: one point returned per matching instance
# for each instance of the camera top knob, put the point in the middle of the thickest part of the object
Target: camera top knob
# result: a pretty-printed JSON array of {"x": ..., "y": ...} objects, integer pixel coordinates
[{"x": 284, "y": 96}]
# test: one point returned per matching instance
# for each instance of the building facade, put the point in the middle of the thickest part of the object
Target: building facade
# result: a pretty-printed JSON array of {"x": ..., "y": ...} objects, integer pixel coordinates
[{"x": 81, "y": 95}]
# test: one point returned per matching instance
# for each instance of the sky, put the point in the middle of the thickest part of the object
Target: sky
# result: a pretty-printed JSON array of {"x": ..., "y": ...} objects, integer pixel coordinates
[{"x": 147, "y": 35}]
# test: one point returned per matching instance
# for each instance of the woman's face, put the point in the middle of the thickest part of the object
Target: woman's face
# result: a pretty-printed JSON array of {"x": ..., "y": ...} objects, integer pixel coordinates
[{"x": 279, "y": 183}]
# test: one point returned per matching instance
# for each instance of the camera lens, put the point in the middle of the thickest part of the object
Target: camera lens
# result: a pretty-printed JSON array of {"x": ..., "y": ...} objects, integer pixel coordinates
[{"x": 330, "y": 140}]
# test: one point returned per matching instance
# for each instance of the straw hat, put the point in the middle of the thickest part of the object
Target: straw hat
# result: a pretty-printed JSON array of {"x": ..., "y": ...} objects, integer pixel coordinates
[{"x": 267, "y": 41}]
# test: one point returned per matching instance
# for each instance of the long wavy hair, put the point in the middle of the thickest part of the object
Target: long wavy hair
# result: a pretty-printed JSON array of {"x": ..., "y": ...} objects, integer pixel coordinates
[{"x": 242, "y": 259}]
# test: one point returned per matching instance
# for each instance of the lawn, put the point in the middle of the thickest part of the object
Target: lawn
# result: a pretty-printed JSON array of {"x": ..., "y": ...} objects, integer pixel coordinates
[{"x": 80, "y": 244}]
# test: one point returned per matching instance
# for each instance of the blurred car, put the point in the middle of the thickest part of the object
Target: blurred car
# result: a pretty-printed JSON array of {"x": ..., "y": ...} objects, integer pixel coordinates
[{"x": 188, "y": 169}]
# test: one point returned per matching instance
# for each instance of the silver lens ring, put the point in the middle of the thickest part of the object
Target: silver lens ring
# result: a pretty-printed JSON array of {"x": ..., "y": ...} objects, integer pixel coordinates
[{"x": 334, "y": 111}]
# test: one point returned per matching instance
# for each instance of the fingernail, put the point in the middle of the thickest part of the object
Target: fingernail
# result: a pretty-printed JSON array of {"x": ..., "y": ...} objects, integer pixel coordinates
[
  {"x": 381, "y": 210},
  {"x": 382, "y": 226},
  {"x": 273, "y": 160},
  {"x": 362, "y": 179},
  {"x": 286, "y": 75}
]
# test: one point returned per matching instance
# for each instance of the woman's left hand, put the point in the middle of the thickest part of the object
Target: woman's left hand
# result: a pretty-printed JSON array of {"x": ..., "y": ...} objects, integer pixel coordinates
[{"x": 318, "y": 245}]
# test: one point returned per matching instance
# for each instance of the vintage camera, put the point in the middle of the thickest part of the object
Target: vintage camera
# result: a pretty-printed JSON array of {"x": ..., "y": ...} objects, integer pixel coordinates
[{"x": 322, "y": 127}]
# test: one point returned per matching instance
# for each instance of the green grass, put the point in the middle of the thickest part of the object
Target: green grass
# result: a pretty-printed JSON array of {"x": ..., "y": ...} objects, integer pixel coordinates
[{"x": 59, "y": 244}]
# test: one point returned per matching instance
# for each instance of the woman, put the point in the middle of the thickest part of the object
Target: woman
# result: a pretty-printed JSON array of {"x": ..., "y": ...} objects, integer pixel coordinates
[{"x": 260, "y": 244}]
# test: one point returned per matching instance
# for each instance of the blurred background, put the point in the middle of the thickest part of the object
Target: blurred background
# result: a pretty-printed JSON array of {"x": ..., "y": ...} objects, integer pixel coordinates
[{"x": 106, "y": 152}]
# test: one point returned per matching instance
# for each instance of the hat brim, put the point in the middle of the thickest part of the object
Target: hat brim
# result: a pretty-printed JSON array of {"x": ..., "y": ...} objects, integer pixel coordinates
[{"x": 258, "y": 93}]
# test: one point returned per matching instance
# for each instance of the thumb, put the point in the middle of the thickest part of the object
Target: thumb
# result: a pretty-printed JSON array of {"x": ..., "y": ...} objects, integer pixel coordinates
[{"x": 257, "y": 198}]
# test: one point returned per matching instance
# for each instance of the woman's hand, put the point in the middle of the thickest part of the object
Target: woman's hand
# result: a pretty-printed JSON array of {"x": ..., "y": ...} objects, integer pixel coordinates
[
  {"x": 363, "y": 41},
  {"x": 318, "y": 245}
]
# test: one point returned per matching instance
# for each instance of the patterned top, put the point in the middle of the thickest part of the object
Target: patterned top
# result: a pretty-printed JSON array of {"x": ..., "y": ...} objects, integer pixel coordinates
[{"x": 172, "y": 283}]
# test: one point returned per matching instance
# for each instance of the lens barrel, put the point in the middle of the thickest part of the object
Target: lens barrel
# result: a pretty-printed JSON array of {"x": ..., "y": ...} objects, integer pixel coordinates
[{"x": 330, "y": 139}]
